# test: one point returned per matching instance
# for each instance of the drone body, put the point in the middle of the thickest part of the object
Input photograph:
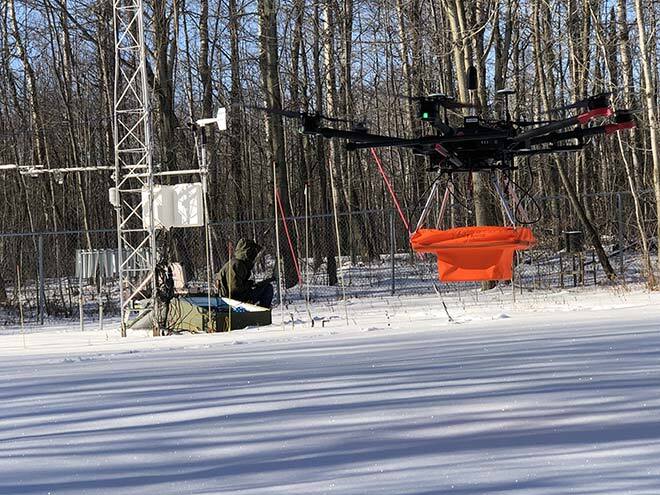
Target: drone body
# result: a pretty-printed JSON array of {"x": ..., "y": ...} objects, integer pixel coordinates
[{"x": 480, "y": 144}]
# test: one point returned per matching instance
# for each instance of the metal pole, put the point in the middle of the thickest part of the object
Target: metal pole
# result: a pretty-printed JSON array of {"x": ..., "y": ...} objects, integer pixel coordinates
[
  {"x": 392, "y": 250},
  {"x": 593, "y": 265},
  {"x": 80, "y": 301},
  {"x": 280, "y": 270},
  {"x": 207, "y": 233},
  {"x": 513, "y": 275},
  {"x": 100, "y": 295},
  {"x": 229, "y": 284},
  {"x": 338, "y": 239},
  {"x": 20, "y": 303},
  {"x": 575, "y": 271},
  {"x": 42, "y": 289},
  {"x": 619, "y": 211},
  {"x": 309, "y": 313}
]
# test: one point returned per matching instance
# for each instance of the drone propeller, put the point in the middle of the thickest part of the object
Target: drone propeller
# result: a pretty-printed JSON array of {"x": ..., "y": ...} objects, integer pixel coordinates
[
  {"x": 276, "y": 111},
  {"x": 300, "y": 114},
  {"x": 626, "y": 114},
  {"x": 443, "y": 100},
  {"x": 600, "y": 100}
]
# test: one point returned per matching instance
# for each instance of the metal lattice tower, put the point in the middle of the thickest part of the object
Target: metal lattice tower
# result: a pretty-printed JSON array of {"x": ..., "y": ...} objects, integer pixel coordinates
[{"x": 134, "y": 174}]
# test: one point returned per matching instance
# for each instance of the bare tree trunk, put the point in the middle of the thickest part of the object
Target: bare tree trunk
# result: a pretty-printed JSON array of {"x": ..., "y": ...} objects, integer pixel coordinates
[
  {"x": 332, "y": 100},
  {"x": 651, "y": 109},
  {"x": 165, "y": 54},
  {"x": 271, "y": 82},
  {"x": 66, "y": 84},
  {"x": 328, "y": 245},
  {"x": 466, "y": 39},
  {"x": 409, "y": 17},
  {"x": 625, "y": 71},
  {"x": 235, "y": 117},
  {"x": 569, "y": 186}
]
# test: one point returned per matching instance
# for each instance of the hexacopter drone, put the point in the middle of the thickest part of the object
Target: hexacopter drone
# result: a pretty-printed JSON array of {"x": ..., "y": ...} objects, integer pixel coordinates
[{"x": 484, "y": 252}]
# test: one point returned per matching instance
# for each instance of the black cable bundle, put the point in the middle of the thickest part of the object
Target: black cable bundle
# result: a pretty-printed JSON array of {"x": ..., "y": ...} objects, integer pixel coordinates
[{"x": 525, "y": 192}]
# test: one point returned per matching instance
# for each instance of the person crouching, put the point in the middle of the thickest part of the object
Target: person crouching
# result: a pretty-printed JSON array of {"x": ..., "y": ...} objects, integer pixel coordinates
[{"x": 233, "y": 280}]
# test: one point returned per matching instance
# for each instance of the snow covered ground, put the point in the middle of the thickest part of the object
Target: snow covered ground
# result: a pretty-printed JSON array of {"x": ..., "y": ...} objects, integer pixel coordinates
[{"x": 552, "y": 393}]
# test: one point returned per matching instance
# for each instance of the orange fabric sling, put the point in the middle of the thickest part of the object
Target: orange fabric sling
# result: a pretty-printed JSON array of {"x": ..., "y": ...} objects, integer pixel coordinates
[{"x": 473, "y": 253}]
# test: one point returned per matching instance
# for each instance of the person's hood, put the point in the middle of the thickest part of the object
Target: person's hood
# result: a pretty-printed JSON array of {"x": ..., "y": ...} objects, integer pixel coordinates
[{"x": 246, "y": 250}]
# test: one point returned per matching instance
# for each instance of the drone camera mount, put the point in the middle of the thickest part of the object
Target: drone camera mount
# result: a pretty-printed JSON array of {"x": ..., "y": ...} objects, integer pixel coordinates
[{"x": 309, "y": 124}]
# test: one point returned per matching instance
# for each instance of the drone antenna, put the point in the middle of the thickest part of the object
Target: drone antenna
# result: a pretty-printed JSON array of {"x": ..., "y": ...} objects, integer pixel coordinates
[
  {"x": 505, "y": 93},
  {"x": 472, "y": 82},
  {"x": 472, "y": 78}
]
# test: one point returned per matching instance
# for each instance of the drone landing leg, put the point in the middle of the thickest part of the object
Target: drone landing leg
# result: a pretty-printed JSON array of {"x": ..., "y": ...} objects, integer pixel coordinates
[
  {"x": 505, "y": 204},
  {"x": 445, "y": 202},
  {"x": 427, "y": 206}
]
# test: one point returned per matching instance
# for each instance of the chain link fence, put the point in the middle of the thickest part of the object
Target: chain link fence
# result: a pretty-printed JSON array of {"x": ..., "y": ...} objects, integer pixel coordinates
[{"x": 376, "y": 258}]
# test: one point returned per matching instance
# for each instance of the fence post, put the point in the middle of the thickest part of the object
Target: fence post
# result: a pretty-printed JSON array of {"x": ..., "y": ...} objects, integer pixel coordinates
[
  {"x": 80, "y": 301},
  {"x": 42, "y": 283},
  {"x": 392, "y": 250},
  {"x": 619, "y": 212}
]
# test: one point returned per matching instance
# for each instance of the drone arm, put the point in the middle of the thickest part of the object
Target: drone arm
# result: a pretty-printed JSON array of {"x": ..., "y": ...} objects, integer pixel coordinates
[
  {"x": 562, "y": 124},
  {"x": 422, "y": 141},
  {"x": 581, "y": 133},
  {"x": 380, "y": 143},
  {"x": 547, "y": 151},
  {"x": 578, "y": 134},
  {"x": 356, "y": 137}
]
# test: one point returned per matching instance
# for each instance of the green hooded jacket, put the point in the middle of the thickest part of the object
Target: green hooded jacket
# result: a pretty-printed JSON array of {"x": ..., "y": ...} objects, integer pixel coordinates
[{"x": 233, "y": 279}]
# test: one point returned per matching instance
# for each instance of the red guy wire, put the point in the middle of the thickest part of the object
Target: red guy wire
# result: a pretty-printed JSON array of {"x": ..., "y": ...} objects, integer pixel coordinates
[
  {"x": 288, "y": 237},
  {"x": 391, "y": 189}
]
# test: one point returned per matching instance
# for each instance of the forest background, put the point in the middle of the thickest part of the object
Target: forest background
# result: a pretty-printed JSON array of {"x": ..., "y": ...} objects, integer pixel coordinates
[{"x": 344, "y": 58}]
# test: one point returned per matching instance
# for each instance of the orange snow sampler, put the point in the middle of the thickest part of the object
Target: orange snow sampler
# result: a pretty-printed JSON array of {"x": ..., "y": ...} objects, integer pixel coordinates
[
  {"x": 465, "y": 254},
  {"x": 473, "y": 253}
]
